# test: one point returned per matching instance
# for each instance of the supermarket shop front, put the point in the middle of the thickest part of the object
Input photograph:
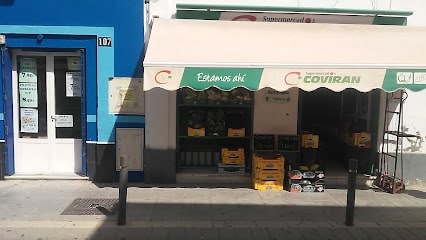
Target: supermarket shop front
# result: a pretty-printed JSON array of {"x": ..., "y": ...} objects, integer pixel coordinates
[{"x": 202, "y": 91}]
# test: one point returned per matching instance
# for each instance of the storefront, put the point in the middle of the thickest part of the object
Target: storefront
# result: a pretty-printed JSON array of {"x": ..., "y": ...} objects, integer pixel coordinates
[
  {"x": 57, "y": 62},
  {"x": 285, "y": 66}
]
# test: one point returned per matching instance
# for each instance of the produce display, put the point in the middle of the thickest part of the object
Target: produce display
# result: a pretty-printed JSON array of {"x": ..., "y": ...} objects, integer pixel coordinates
[
  {"x": 193, "y": 97},
  {"x": 216, "y": 96},
  {"x": 215, "y": 123},
  {"x": 196, "y": 119}
]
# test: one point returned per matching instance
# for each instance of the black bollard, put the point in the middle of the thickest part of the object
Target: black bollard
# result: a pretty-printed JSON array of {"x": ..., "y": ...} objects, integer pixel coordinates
[
  {"x": 122, "y": 198},
  {"x": 350, "y": 204}
]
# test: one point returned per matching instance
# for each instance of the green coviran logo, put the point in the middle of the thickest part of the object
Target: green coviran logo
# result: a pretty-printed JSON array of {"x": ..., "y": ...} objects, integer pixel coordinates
[
  {"x": 292, "y": 78},
  {"x": 332, "y": 79}
]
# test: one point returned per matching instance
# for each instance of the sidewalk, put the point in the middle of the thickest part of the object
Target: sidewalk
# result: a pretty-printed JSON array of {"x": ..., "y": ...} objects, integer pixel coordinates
[{"x": 31, "y": 209}]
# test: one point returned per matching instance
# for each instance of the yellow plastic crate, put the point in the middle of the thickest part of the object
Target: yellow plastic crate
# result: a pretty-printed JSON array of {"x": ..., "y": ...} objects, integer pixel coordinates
[
  {"x": 196, "y": 132},
  {"x": 310, "y": 141},
  {"x": 361, "y": 139},
  {"x": 262, "y": 174},
  {"x": 229, "y": 152},
  {"x": 233, "y": 160},
  {"x": 268, "y": 162},
  {"x": 268, "y": 185},
  {"x": 236, "y": 132}
]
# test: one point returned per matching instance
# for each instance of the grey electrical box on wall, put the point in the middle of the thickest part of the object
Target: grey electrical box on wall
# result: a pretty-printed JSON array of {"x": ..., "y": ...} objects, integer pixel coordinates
[{"x": 130, "y": 142}]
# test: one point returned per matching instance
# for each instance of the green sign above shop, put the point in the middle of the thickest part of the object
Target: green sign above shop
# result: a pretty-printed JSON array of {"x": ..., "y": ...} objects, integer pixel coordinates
[{"x": 223, "y": 78}]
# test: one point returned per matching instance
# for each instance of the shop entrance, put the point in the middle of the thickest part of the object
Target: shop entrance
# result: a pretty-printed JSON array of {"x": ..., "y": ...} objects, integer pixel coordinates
[
  {"x": 47, "y": 112},
  {"x": 335, "y": 116}
]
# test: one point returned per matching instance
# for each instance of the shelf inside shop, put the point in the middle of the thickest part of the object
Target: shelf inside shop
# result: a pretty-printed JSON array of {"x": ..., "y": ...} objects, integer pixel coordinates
[
  {"x": 213, "y": 137},
  {"x": 214, "y": 105},
  {"x": 212, "y": 120}
]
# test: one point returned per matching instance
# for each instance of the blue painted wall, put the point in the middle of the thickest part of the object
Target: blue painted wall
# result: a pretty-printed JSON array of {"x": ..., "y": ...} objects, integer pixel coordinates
[
  {"x": 125, "y": 16},
  {"x": 80, "y": 18}
]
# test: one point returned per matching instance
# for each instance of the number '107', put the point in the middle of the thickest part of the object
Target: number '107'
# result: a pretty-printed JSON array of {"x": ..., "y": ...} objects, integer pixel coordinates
[{"x": 105, "y": 41}]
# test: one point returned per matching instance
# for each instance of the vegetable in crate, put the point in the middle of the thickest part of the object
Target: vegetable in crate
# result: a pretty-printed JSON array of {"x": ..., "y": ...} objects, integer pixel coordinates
[
  {"x": 196, "y": 119},
  {"x": 214, "y": 95},
  {"x": 240, "y": 95},
  {"x": 215, "y": 123},
  {"x": 189, "y": 95}
]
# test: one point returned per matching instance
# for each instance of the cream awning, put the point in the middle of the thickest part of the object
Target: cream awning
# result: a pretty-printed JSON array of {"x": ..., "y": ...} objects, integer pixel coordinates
[{"x": 228, "y": 54}]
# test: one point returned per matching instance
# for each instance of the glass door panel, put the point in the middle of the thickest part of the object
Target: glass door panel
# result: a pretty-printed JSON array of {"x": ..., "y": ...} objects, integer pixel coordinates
[
  {"x": 32, "y": 101},
  {"x": 67, "y": 97}
]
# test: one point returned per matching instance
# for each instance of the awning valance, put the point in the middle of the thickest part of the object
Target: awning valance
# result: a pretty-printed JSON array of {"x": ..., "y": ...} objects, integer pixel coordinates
[{"x": 203, "y": 53}]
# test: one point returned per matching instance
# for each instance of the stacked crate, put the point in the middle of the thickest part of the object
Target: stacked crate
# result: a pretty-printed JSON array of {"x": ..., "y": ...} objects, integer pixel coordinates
[
  {"x": 309, "y": 150},
  {"x": 268, "y": 172},
  {"x": 233, "y": 160}
]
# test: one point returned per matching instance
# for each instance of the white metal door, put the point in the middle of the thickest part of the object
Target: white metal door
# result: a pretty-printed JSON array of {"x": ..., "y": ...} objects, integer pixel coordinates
[{"x": 47, "y": 112}]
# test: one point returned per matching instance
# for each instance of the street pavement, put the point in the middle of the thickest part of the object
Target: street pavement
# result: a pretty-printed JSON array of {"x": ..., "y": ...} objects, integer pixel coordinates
[{"x": 33, "y": 209}]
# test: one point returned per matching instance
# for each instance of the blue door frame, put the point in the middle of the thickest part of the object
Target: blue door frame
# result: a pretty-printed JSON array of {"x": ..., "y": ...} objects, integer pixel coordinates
[
  {"x": 87, "y": 46},
  {"x": 8, "y": 110}
]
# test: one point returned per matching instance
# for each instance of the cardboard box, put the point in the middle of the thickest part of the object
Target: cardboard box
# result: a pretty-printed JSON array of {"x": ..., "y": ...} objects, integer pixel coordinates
[
  {"x": 196, "y": 132},
  {"x": 236, "y": 132},
  {"x": 310, "y": 141},
  {"x": 301, "y": 174},
  {"x": 295, "y": 187},
  {"x": 268, "y": 185},
  {"x": 361, "y": 139}
]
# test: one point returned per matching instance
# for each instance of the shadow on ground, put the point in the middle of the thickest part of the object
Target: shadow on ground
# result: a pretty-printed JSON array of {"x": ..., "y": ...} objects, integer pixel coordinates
[{"x": 251, "y": 221}]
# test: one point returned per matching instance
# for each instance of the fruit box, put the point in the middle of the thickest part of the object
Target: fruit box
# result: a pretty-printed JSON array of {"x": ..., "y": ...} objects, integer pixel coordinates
[
  {"x": 295, "y": 187},
  {"x": 236, "y": 132},
  {"x": 310, "y": 141},
  {"x": 262, "y": 174},
  {"x": 233, "y": 160},
  {"x": 361, "y": 139},
  {"x": 268, "y": 185},
  {"x": 233, "y": 152},
  {"x": 196, "y": 132}
]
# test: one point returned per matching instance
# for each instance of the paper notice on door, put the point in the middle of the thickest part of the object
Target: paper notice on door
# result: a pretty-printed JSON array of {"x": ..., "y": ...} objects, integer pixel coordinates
[
  {"x": 73, "y": 63},
  {"x": 73, "y": 84},
  {"x": 28, "y": 70},
  {"x": 64, "y": 121},
  {"x": 28, "y": 94},
  {"x": 29, "y": 120}
]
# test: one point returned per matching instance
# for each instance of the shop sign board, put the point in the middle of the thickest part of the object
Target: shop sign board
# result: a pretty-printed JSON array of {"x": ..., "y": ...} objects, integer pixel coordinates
[
  {"x": 363, "y": 80},
  {"x": 296, "y": 17},
  {"x": 126, "y": 96}
]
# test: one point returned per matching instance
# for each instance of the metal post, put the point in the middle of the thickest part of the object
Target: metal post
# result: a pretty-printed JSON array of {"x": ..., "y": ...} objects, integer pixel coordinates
[
  {"x": 350, "y": 204},
  {"x": 122, "y": 200}
]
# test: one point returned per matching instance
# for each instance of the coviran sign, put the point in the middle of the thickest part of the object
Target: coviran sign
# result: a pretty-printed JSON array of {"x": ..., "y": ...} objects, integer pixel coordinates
[{"x": 283, "y": 79}]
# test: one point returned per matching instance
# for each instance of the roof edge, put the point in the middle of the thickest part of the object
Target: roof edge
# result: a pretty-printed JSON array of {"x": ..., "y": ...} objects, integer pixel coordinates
[{"x": 213, "y": 7}]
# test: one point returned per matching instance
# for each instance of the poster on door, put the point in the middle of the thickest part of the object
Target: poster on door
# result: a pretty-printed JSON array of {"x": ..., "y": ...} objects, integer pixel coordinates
[
  {"x": 64, "y": 121},
  {"x": 27, "y": 70},
  {"x": 29, "y": 120},
  {"x": 28, "y": 94},
  {"x": 73, "y": 84}
]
